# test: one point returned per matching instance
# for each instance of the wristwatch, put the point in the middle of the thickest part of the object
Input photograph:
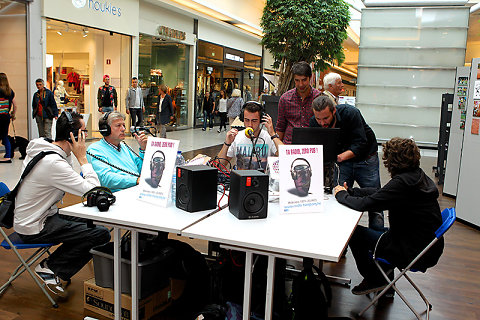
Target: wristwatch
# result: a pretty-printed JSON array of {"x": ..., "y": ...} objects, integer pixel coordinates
[
  {"x": 227, "y": 144},
  {"x": 275, "y": 136}
]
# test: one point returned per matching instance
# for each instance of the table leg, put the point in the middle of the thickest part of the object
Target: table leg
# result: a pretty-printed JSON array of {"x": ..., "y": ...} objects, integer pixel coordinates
[
  {"x": 117, "y": 286},
  {"x": 247, "y": 285},
  {"x": 270, "y": 287},
  {"x": 134, "y": 264}
]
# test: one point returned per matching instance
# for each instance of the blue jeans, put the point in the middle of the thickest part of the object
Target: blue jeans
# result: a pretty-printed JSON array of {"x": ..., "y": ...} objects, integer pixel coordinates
[
  {"x": 363, "y": 244},
  {"x": 209, "y": 117},
  {"x": 367, "y": 174},
  {"x": 107, "y": 109}
]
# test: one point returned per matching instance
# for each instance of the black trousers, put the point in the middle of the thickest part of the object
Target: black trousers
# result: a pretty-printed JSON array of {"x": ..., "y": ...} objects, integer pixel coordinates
[
  {"x": 76, "y": 238},
  {"x": 137, "y": 116}
]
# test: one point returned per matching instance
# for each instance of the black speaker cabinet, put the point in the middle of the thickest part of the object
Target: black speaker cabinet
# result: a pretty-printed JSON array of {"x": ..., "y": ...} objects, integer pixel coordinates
[
  {"x": 248, "y": 194},
  {"x": 196, "y": 188}
]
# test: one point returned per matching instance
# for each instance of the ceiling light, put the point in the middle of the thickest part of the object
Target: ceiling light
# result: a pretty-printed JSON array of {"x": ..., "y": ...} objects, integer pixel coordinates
[{"x": 60, "y": 33}]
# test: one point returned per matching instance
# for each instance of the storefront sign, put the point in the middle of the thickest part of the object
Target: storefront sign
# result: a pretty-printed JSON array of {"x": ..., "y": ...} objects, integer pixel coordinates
[
  {"x": 233, "y": 57},
  {"x": 114, "y": 15},
  {"x": 171, "y": 33}
]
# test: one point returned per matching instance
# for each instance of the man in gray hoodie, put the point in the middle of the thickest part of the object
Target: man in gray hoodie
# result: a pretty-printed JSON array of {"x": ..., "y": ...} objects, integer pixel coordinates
[{"x": 36, "y": 214}]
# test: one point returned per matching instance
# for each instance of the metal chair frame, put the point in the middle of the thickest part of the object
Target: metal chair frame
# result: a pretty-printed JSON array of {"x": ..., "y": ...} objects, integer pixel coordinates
[{"x": 448, "y": 218}]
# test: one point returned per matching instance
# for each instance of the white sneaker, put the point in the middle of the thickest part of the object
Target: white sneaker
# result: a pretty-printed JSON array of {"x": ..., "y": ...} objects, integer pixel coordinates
[{"x": 51, "y": 281}]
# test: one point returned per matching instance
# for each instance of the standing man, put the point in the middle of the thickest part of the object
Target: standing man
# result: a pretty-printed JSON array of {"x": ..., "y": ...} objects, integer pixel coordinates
[
  {"x": 208, "y": 109},
  {"x": 295, "y": 105},
  {"x": 333, "y": 85},
  {"x": 116, "y": 164},
  {"x": 134, "y": 103},
  {"x": 44, "y": 109},
  {"x": 165, "y": 110},
  {"x": 358, "y": 160},
  {"x": 36, "y": 217},
  {"x": 107, "y": 96}
]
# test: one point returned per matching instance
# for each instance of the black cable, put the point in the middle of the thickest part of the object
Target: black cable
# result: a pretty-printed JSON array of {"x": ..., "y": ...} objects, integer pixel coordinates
[{"x": 112, "y": 165}]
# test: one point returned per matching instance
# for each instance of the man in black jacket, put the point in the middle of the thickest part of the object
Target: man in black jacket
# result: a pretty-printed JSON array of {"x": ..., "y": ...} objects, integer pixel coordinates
[
  {"x": 358, "y": 160},
  {"x": 44, "y": 109},
  {"x": 414, "y": 216}
]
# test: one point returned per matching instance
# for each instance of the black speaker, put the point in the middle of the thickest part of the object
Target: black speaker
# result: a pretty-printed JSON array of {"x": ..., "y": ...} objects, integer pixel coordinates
[
  {"x": 196, "y": 188},
  {"x": 248, "y": 194}
]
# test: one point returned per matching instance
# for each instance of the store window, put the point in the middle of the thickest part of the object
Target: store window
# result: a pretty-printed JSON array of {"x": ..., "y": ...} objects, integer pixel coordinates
[
  {"x": 78, "y": 57},
  {"x": 164, "y": 62},
  {"x": 209, "y": 78},
  {"x": 251, "y": 77},
  {"x": 13, "y": 58},
  {"x": 210, "y": 52}
]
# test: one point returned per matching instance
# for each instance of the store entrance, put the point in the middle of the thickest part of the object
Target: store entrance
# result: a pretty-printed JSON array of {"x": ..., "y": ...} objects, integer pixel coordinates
[
  {"x": 232, "y": 79},
  {"x": 77, "y": 59}
]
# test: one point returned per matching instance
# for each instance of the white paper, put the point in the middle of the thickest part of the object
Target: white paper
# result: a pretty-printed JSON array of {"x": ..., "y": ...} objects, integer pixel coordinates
[
  {"x": 476, "y": 92},
  {"x": 301, "y": 178},
  {"x": 155, "y": 183},
  {"x": 346, "y": 100}
]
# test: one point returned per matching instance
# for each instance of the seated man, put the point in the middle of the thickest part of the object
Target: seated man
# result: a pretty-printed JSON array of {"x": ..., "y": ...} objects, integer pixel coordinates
[
  {"x": 116, "y": 164},
  {"x": 414, "y": 215},
  {"x": 36, "y": 213},
  {"x": 238, "y": 145},
  {"x": 358, "y": 160}
]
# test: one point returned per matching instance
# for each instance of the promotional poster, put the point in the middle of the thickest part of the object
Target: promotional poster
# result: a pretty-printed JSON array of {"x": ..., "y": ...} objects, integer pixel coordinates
[
  {"x": 157, "y": 170},
  {"x": 301, "y": 178}
]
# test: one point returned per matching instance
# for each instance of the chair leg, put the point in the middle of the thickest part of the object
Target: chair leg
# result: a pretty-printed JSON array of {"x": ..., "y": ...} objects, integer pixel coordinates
[
  {"x": 427, "y": 303},
  {"x": 34, "y": 277}
]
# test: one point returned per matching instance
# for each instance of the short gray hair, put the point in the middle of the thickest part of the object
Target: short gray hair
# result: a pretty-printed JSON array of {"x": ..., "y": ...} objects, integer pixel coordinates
[
  {"x": 330, "y": 78},
  {"x": 114, "y": 115}
]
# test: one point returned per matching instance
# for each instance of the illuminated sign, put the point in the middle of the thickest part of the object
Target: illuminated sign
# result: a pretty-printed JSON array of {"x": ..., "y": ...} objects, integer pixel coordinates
[
  {"x": 104, "y": 7},
  {"x": 171, "y": 33},
  {"x": 233, "y": 57}
]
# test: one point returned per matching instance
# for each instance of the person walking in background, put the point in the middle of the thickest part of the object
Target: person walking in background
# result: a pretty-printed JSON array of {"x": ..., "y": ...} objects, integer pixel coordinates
[
  {"x": 222, "y": 111},
  {"x": 8, "y": 108},
  {"x": 248, "y": 93},
  {"x": 165, "y": 110},
  {"x": 134, "y": 103},
  {"x": 208, "y": 109},
  {"x": 107, "y": 96},
  {"x": 44, "y": 109},
  {"x": 234, "y": 106}
]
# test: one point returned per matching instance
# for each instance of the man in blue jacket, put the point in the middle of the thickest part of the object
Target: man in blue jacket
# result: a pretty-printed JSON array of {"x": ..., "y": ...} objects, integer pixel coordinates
[
  {"x": 117, "y": 165},
  {"x": 44, "y": 109}
]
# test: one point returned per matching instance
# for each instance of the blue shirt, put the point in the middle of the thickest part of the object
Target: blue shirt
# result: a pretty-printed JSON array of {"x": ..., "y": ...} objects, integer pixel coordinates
[{"x": 123, "y": 158}]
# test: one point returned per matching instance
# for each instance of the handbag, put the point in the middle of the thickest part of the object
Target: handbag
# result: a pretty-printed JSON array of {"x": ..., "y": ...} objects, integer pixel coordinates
[{"x": 7, "y": 201}]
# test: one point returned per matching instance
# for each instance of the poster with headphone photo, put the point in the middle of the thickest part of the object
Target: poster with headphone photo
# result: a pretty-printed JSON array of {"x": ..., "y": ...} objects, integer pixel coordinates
[
  {"x": 301, "y": 178},
  {"x": 157, "y": 170}
]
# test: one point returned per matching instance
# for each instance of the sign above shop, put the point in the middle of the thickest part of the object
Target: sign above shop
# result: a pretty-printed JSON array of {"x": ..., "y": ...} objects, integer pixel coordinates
[
  {"x": 98, "y": 6},
  {"x": 171, "y": 33},
  {"x": 233, "y": 57}
]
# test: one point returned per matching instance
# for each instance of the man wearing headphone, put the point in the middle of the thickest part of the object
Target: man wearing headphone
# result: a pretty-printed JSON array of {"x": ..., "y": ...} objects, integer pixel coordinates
[
  {"x": 239, "y": 144},
  {"x": 36, "y": 214},
  {"x": 116, "y": 164}
]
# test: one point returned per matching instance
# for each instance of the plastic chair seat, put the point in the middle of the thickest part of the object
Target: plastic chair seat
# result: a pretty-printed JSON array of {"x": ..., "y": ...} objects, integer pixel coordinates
[{"x": 19, "y": 244}]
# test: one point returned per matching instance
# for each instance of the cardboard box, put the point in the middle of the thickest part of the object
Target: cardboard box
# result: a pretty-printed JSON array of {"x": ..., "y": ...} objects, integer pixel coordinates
[{"x": 100, "y": 301}]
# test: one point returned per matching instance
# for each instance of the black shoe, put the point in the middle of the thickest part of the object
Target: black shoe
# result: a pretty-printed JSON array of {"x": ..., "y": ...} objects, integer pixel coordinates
[
  {"x": 51, "y": 281},
  {"x": 203, "y": 129},
  {"x": 365, "y": 288}
]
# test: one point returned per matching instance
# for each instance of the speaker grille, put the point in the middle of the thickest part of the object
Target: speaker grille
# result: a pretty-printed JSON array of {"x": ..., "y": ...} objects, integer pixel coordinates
[
  {"x": 253, "y": 202},
  {"x": 183, "y": 195}
]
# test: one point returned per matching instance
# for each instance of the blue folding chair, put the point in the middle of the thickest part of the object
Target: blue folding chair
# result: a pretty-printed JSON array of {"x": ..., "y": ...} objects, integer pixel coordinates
[
  {"x": 448, "y": 218},
  {"x": 15, "y": 243}
]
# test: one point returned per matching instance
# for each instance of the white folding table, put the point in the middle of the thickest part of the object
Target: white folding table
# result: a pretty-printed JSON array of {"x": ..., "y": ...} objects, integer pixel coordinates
[{"x": 321, "y": 236}]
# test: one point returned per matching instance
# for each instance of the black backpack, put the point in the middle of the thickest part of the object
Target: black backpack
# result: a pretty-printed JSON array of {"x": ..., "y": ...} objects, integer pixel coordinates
[{"x": 311, "y": 294}]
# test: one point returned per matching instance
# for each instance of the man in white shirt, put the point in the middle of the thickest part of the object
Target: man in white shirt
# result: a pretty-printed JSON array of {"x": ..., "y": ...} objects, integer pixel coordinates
[
  {"x": 333, "y": 86},
  {"x": 238, "y": 145},
  {"x": 134, "y": 103},
  {"x": 36, "y": 214}
]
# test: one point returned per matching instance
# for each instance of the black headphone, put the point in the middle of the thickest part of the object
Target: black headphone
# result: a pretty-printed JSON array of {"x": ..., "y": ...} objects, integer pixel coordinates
[
  {"x": 102, "y": 197},
  {"x": 157, "y": 165},
  {"x": 71, "y": 129},
  {"x": 103, "y": 125},
  {"x": 262, "y": 110},
  {"x": 301, "y": 176},
  {"x": 293, "y": 172}
]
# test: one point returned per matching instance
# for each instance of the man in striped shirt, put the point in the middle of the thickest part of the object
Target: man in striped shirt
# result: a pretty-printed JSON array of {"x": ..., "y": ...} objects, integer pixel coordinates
[{"x": 295, "y": 105}]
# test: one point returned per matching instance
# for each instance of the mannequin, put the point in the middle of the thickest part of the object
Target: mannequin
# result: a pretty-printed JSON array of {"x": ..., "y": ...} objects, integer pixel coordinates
[{"x": 60, "y": 93}]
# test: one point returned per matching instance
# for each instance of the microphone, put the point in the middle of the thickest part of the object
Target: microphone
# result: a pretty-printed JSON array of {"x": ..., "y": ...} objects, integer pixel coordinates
[
  {"x": 249, "y": 133},
  {"x": 137, "y": 129}
]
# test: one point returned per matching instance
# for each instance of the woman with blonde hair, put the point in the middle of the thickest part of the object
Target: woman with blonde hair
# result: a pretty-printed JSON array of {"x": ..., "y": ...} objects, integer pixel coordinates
[
  {"x": 234, "y": 106},
  {"x": 8, "y": 108}
]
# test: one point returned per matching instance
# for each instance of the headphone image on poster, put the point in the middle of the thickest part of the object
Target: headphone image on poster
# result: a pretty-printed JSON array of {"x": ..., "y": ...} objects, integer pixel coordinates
[
  {"x": 301, "y": 175},
  {"x": 157, "y": 166},
  {"x": 262, "y": 110},
  {"x": 103, "y": 125}
]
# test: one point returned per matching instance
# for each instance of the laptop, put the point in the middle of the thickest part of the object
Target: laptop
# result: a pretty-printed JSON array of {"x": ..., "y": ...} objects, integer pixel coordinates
[{"x": 328, "y": 137}]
